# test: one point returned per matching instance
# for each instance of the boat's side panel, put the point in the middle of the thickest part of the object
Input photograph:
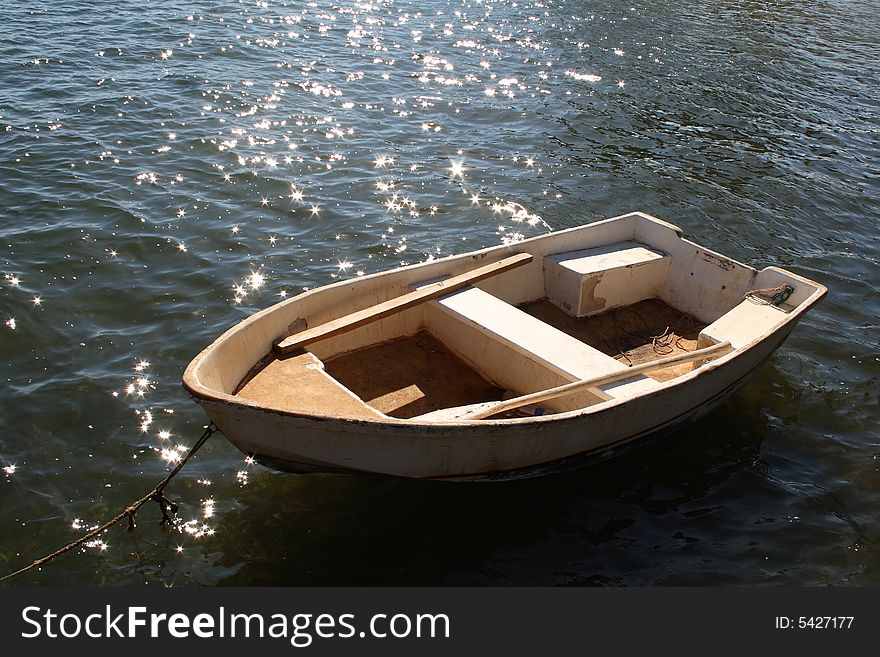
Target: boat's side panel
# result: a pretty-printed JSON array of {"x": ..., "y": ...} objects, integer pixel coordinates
[
  {"x": 482, "y": 448},
  {"x": 704, "y": 284}
]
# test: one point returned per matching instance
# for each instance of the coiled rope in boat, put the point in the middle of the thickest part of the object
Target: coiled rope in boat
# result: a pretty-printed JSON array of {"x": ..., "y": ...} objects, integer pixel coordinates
[{"x": 157, "y": 494}]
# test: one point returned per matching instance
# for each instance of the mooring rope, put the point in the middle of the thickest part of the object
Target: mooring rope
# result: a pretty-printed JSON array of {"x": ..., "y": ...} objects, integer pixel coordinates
[{"x": 156, "y": 494}]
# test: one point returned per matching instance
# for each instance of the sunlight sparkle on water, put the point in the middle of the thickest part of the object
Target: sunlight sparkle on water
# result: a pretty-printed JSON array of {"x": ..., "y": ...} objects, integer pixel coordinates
[
  {"x": 146, "y": 420},
  {"x": 195, "y": 528},
  {"x": 585, "y": 77},
  {"x": 256, "y": 280},
  {"x": 170, "y": 454}
]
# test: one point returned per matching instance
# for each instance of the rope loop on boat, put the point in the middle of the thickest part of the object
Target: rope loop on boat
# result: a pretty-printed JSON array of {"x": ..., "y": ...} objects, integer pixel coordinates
[
  {"x": 777, "y": 295},
  {"x": 782, "y": 296},
  {"x": 156, "y": 494}
]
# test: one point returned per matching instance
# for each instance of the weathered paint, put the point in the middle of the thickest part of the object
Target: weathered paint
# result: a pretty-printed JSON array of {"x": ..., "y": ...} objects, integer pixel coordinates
[{"x": 583, "y": 282}]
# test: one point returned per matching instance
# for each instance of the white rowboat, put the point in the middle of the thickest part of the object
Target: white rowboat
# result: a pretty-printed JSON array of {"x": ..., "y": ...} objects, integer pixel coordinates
[{"x": 508, "y": 362}]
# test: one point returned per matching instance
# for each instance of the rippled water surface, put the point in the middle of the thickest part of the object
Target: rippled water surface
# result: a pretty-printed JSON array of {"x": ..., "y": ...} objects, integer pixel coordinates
[{"x": 167, "y": 169}]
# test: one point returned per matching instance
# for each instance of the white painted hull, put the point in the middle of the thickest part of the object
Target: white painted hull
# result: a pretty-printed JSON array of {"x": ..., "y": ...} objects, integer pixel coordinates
[
  {"x": 464, "y": 450},
  {"x": 495, "y": 450}
]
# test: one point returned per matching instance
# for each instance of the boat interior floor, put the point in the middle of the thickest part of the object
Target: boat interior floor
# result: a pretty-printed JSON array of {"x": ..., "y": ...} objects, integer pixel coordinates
[
  {"x": 638, "y": 333},
  {"x": 297, "y": 383},
  {"x": 410, "y": 376}
]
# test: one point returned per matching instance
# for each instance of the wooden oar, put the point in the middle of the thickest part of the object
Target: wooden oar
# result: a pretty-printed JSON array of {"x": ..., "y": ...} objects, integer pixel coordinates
[
  {"x": 485, "y": 409},
  {"x": 398, "y": 304}
]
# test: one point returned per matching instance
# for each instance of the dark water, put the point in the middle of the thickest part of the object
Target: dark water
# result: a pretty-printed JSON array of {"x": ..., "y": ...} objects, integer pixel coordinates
[{"x": 166, "y": 169}]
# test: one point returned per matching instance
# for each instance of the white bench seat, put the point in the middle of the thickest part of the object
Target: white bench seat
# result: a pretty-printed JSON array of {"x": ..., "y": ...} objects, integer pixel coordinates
[
  {"x": 745, "y": 322},
  {"x": 590, "y": 281},
  {"x": 518, "y": 331}
]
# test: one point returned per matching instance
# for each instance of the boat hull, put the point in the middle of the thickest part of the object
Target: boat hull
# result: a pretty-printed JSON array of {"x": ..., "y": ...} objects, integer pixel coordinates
[{"x": 481, "y": 451}]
